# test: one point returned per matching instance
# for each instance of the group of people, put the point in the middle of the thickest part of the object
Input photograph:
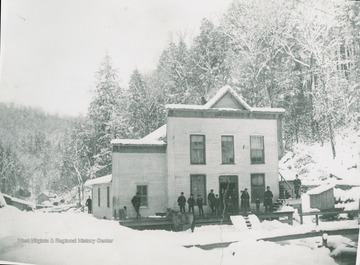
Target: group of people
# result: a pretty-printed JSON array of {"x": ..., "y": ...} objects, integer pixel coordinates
[{"x": 214, "y": 203}]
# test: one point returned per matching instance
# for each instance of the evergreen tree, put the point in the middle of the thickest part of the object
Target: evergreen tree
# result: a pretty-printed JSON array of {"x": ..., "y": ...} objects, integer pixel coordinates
[
  {"x": 209, "y": 57},
  {"x": 106, "y": 105},
  {"x": 144, "y": 106}
]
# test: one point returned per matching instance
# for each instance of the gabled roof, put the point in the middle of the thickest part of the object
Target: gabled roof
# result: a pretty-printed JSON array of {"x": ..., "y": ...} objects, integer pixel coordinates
[
  {"x": 226, "y": 99},
  {"x": 221, "y": 93},
  {"x": 101, "y": 180}
]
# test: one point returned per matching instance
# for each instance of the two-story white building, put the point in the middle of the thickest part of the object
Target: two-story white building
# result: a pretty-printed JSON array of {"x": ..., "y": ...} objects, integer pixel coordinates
[{"x": 224, "y": 143}]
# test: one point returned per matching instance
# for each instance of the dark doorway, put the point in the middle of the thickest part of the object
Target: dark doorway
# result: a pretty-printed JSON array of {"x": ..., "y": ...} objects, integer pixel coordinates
[{"x": 229, "y": 194}]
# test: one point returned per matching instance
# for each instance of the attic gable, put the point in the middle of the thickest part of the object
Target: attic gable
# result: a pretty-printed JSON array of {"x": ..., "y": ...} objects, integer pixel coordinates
[{"x": 227, "y": 98}]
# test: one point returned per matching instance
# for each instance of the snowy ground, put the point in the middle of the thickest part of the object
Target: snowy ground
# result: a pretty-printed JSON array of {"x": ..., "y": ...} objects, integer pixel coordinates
[
  {"x": 79, "y": 238},
  {"x": 72, "y": 237}
]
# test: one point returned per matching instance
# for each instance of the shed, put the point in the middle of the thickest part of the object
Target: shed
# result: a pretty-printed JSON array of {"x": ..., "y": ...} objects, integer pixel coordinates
[
  {"x": 45, "y": 196},
  {"x": 101, "y": 196},
  {"x": 22, "y": 205},
  {"x": 322, "y": 197}
]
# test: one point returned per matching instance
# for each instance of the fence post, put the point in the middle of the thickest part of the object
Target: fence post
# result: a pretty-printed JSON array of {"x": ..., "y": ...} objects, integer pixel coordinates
[
  {"x": 317, "y": 219},
  {"x": 301, "y": 216}
]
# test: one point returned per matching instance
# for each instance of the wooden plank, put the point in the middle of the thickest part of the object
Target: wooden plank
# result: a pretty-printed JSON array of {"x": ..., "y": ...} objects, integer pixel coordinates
[
  {"x": 347, "y": 231},
  {"x": 328, "y": 212}
]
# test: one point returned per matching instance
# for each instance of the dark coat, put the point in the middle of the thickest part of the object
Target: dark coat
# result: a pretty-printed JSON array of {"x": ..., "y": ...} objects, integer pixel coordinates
[
  {"x": 211, "y": 198},
  {"x": 245, "y": 199},
  {"x": 217, "y": 202},
  {"x": 136, "y": 201},
  {"x": 88, "y": 203},
  {"x": 268, "y": 196},
  {"x": 297, "y": 183},
  {"x": 181, "y": 200},
  {"x": 191, "y": 201},
  {"x": 199, "y": 202}
]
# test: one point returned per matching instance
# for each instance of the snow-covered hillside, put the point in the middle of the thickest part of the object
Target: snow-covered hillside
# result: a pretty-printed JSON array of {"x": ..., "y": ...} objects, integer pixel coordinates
[{"x": 315, "y": 164}]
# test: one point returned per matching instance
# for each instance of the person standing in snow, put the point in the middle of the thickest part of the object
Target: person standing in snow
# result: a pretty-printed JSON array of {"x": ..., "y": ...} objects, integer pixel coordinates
[
  {"x": 268, "y": 196},
  {"x": 89, "y": 205},
  {"x": 191, "y": 203},
  {"x": 199, "y": 202},
  {"x": 297, "y": 186},
  {"x": 245, "y": 203},
  {"x": 211, "y": 200},
  {"x": 181, "y": 202},
  {"x": 136, "y": 201}
]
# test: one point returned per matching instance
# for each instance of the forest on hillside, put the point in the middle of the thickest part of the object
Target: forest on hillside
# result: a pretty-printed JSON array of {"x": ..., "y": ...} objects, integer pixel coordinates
[{"x": 300, "y": 55}]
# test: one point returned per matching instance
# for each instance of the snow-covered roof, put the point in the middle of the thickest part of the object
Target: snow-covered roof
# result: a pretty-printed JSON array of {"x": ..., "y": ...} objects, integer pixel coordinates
[
  {"x": 320, "y": 189},
  {"x": 101, "y": 180},
  {"x": 47, "y": 193},
  {"x": 19, "y": 200},
  {"x": 211, "y": 103},
  {"x": 154, "y": 138},
  {"x": 221, "y": 93},
  {"x": 157, "y": 135}
]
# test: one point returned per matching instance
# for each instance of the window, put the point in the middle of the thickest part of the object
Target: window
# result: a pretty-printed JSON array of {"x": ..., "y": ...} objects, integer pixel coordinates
[
  {"x": 257, "y": 186},
  {"x": 143, "y": 193},
  {"x": 108, "y": 197},
  {"x": 227, "y": 149},
  {"x": 197, "y": 149},
  {"x": 99, "y": 197},
  {"x": 198, "y": 186},
  {"x": 257, "y": 149}
]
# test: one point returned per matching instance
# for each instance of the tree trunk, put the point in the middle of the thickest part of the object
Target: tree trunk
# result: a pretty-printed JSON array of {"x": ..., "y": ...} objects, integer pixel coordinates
[{"x": 332, "y": 138}]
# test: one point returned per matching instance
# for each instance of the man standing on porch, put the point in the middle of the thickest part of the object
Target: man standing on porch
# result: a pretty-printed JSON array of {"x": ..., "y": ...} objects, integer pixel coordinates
[
  {"x": 245, "y": 201},
  {"x": 191, "y": 202},
  {"x": 181, "y": 202},
  {"x": 268, "y": 196},
  {"x": 297, "y": 186},
  {"x": 199, "y": 202},
  {"x": 211, "y": 200},
  {"x": 136, "y": 201}
]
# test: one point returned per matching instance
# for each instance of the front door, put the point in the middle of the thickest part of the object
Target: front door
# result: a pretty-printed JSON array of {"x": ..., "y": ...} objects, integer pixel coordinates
[{"x": 229, "y": 194}]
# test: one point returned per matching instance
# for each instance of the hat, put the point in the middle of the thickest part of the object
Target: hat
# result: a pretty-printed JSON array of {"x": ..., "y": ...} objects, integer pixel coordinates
[
  {"x": 245, "y": 188},
  {"x": 182, "y": 193},
  {"x": 268, "y": 187}
]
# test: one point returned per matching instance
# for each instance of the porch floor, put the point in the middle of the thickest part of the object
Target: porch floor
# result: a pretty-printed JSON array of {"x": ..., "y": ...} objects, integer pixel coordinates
[{"x": 151, "y": 223}]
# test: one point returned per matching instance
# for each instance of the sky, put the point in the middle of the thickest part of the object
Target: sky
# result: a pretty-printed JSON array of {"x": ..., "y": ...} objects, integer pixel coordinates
[{"x": 51, "y": 49}]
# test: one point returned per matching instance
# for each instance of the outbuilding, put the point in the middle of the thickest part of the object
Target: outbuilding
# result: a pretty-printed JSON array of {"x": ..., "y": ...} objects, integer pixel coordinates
[
  {"x": 101, "y": 194},
  {"x": 322, "y": 197}
]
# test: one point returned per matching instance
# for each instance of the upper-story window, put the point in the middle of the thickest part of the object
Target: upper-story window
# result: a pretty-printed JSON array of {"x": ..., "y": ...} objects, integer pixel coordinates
[
  {"x": 197, "y": 149},
  {"x": 257, "y": 153},
  {"x": 227, "y": 149}
]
